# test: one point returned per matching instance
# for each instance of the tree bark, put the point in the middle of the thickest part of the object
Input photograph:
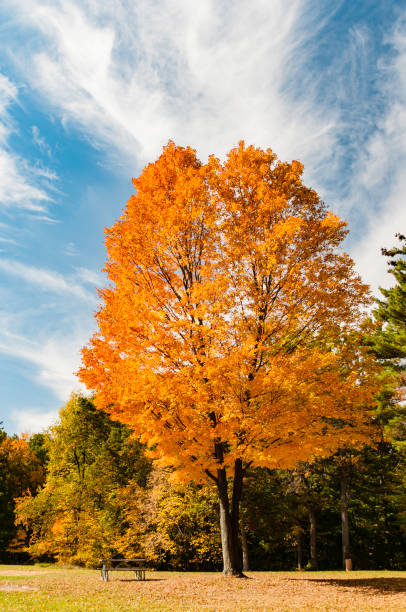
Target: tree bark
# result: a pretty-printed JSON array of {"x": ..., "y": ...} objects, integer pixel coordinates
[
  {"x": 244, "y": 546},
  {"x": 299, "y": 550},
  {"x": 229, "y": 520},
  {"x": 313, "y": 541},
  {"x": 345, "y": 526}
]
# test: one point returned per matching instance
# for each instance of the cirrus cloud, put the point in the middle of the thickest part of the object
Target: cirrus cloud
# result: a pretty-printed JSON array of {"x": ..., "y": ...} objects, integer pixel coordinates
[{"x": 18, "y": 185}]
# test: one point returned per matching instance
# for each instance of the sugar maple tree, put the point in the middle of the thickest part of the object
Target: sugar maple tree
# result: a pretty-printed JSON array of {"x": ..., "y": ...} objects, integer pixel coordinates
[{"x": 220, "y": 337}]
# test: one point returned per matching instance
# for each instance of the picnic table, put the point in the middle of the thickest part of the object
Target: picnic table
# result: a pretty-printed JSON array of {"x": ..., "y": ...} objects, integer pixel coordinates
[{"x": 123, "y": 565}]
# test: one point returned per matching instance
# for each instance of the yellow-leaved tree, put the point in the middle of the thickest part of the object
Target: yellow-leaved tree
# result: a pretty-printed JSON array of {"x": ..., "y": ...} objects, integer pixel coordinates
[{"x": 220, "y": 340}]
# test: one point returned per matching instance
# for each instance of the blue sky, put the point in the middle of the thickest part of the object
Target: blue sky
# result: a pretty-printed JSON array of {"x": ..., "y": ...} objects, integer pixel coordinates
[{"x": 90, "y": 91}]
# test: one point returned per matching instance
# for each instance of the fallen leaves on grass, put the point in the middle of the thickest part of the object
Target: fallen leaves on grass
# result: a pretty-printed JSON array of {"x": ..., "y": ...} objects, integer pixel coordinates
[{"x": 173, "y": 591}]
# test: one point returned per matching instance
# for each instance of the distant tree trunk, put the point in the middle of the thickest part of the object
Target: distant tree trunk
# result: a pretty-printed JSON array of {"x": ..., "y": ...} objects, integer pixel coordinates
[
  {"x": 229, "y": 517},
  {"x": 244, "y": 545},
  {"x": 345, "y": 526},
  {"x": 313, "y": 542},
  {"x": 299, "y": 549}
]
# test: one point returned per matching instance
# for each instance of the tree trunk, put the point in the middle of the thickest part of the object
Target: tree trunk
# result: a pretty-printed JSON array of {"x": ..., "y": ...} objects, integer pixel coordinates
[
  {"x": 244, "y": 545},
  {"x": 299, "y": 550},
  {"x": 345, "y": 526},
  {"x": 313, "y": 543},
  {"x": 229, "y": 520}
]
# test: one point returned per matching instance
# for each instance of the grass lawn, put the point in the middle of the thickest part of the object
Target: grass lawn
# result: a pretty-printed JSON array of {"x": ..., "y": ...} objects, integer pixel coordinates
[{"x": 53, "y": 588}]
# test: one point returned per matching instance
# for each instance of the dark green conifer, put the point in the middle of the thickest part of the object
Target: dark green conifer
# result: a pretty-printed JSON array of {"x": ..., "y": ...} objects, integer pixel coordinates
[{"x": 389, "y": 342}]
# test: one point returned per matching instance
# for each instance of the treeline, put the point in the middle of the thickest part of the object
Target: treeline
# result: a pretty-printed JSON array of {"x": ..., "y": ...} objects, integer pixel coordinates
[{"x": 86, "y": 490}]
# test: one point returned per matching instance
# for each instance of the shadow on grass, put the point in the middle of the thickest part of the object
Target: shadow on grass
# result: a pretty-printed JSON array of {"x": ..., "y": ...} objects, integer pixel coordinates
[{"x": 380, "y": 585}]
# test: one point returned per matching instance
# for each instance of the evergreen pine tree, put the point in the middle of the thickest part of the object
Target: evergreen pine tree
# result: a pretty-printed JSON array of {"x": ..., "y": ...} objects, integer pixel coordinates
[{"x": 389, "y": 342}]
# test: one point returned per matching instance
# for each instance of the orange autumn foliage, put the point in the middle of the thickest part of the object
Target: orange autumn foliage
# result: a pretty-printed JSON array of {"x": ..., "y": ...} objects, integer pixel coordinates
[{"x": 225, "y": 317}]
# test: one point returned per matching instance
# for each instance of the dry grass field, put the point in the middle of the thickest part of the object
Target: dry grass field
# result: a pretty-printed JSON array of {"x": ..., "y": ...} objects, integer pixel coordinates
[{"x": 38, "y": 588}]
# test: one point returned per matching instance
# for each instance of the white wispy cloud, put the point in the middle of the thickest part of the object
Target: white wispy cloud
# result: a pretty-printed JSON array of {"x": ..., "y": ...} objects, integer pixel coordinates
[
  {"x": 55, "y": 359},
  {"x": 379, "y": 185},
  {"x": 133, "y": 75},
  {"x": 45, "y": 218},
  {"x": 91, "y": 277},
  {"x": 47, "y": 280},
  {"x": 48, "y": 335},
  {"x": 41, "y": 142},
  {"x": 8, "y": 241},
  {"x": 33, "y": 421},
  {"x": 70, "y": 249},
  {"x": 17, "y": 188},
  {"x": 137, "y": 74},
  {"x": 54, "y": 364},
  {"x": 52, "y": 352}
]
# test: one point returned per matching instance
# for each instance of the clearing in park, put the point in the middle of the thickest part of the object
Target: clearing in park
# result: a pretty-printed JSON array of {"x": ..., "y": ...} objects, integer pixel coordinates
[{"x": 53, "y": 588}]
